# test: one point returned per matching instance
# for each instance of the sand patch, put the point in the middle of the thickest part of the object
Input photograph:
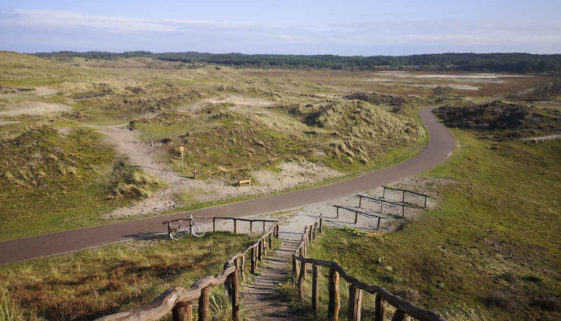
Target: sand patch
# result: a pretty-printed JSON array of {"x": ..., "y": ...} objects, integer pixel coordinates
[
  {"x": 542, "y": 138},
  {"x": 237, "y": 101},
  {"x": 8, "y": 122},
  {"x": 33, "y": 108},
  {"x": 292, "y": 174},
  {"x": 405, "y": 74},
  {"x": 454, "y": 86}
]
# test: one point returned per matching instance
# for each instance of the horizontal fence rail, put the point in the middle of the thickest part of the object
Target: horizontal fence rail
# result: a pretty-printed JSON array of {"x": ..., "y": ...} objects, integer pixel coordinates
[
  {"x": 402, "y": 306},
  {"x": 236, "y": 220},
  {"x": 180, "y": 301},
  {"x": 403, "y": 191}
]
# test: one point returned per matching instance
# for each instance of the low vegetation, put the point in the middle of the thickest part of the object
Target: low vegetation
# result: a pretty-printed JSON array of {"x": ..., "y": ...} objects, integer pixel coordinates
[
  {"x": 53, "y": 180},
  {"x": 491, "y": 251},
  {"x": 113, "y": 278}
]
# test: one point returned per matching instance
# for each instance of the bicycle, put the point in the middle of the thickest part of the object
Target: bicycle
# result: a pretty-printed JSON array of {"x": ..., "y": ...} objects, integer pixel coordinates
[{"x": 177, "y": 229}]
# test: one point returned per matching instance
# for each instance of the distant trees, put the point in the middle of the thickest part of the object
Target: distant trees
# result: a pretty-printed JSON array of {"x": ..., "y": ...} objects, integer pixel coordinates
[
  {"x": 494, "y": 62},
  {"x": 549, "y": 90}
]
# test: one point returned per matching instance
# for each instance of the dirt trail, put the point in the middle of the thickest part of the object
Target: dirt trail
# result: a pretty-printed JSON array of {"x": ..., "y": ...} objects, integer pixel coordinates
[{"x": 142, "y": 154}]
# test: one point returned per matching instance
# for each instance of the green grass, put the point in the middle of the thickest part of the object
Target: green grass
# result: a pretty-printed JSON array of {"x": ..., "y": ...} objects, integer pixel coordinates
[
  {"x": 119, "y": 277},
  {"x": 491, "y": 250},
  {"x": 52, "y": 181}
]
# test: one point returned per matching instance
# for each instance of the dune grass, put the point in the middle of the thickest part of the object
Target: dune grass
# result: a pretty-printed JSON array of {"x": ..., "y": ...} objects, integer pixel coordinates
[
  {"x": 92, "y": 283},
  {"x": 491, "y": 251}
]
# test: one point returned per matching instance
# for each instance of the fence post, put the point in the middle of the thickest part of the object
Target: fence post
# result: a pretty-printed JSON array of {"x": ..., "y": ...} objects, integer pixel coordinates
[
  {"x": 294, "y": 267},
  {"x": 309, "y": 233},
  {"x": 337, "y": 212},
  {"x": 235, "y": 226},
  {"x": 263, "y": 226},
  {"x": 242, "y": 268},
  {"x": 355, "y": 302},
  {"x": 403, "y": 197},
  {"x": 384, "y": 193},
  {"x": 379, "y": 219},
  {"x": 315, "y": 298},
  {"x": 359, "y": 201},
  {"x": 253, "y": 263},
  {"x": 264, "y": 246},
  {"x": 334, "y": 299},
  {"x": 398, "y": 315},
  {"x": 182, "y": 311},
  {"x": 301, "y": 279},
  {"x": 425, "y": 202},
  {"x": 260, "y": 250},
  {"x": 321, "y": 224},
  {"x": 235, "y": 295},
  {"x": 271, "y": 240},
  {"x": 204, "y": 300},
  {"x": 379, "y": 310},
  {"x": 214, "y": 224},
  {"x": 250, "y": 227},
  {"x": 356, "y": 217}
]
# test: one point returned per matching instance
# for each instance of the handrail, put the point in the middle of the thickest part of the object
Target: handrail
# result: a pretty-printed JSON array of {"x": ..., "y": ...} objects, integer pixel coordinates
[
  {"x": 177, "y": 298},
  {"x": 402, "y": 306},
  {"x": 407, "y": 191},
  {"x": 395, "y": 300}
]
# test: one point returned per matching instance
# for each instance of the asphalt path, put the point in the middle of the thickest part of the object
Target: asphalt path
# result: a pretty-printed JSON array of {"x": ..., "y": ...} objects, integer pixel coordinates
[{"x": 440, "y": 146}]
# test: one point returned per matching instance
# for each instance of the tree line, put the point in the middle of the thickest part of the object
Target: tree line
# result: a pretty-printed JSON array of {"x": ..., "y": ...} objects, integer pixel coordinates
[{"x": 493, "y": 62}]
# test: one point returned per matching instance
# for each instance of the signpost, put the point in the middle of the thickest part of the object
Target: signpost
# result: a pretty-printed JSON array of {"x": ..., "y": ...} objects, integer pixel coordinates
[{"x": 182, "y": 151}]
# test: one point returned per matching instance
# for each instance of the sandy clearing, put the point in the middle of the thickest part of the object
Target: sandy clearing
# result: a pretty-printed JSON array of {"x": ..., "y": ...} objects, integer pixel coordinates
[
  {"x": 542, "y": 138},
  {"x": 8, "y": 122},
  {"x": 33, "y": 108},
  {"x": 30, "y": 92},
  {"x": 232, "y": 99},
  {"x": 405, "y": 74},
  {"x": 454, "y": 86},
  {"x": 142, "y": 154}
]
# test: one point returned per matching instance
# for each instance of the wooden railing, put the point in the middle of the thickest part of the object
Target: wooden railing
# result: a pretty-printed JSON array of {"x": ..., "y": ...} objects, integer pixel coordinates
[
  {"x": 180, "y": 301},
  {"x": 236, "y": 220},
  {"x": 403, "y": 191},
  {"x": 403, "y": 308}
]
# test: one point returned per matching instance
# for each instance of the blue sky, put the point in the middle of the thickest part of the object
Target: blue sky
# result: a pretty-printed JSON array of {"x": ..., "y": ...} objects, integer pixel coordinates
[{"x": 283, "y": 27}]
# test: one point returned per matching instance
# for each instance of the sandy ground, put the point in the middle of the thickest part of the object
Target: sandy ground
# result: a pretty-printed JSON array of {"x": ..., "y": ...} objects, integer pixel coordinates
[
  {"x": 238, "y": 101},
  {"x": 7, "y": 122},
  {"x": 454, "y": 86},
  {"x": 542, "y": 138},
  {"x": 292, "y": 222},
  {"x": 37, "y": 92},
  {"x": 405, "y": 74},
  {"x": 142, "y": 154},
  {"x": 33, "y": 108}
]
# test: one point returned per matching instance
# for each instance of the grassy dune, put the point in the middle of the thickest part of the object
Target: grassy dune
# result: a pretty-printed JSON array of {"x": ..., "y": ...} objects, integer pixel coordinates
[{"x": 491, "y": 251}]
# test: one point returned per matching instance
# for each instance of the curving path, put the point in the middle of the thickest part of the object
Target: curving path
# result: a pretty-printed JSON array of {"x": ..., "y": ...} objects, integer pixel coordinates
[{"x": 440, "y": 146}]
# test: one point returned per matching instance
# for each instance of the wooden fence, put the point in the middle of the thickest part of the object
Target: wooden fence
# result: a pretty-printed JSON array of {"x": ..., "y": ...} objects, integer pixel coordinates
[
  {"x": 180, "y": 301},
  {"x": 236, "y": 220},
  {"x": 403, "y": 191},
  {"x": 403, "y": 308}
]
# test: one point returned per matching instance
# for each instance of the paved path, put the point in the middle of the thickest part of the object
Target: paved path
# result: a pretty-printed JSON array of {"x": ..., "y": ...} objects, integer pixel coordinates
[{"x": 441, "y": 145}]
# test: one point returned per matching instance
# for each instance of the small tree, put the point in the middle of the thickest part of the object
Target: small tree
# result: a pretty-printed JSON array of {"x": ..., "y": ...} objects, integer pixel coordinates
[{"x": 442, "y": 92}]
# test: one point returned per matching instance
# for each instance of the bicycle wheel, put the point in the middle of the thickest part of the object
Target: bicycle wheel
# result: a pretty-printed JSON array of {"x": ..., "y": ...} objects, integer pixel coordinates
[
  {"x": 178, "y": 232},
  {"x": 198, "y": 230}
]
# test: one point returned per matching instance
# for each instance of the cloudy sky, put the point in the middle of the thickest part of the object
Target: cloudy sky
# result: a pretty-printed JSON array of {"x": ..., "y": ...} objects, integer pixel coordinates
[{"x": 283, "y": 26}]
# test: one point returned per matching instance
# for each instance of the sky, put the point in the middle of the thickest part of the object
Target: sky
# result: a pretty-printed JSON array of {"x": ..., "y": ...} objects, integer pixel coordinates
[{"x": 282, "y": 26}]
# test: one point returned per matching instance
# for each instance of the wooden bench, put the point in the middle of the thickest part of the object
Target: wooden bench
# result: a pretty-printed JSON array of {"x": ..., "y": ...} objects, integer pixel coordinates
[{"x": 244, "y": 181}]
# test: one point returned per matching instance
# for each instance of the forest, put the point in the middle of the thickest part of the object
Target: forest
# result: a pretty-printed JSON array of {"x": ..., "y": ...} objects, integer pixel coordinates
[{"x": 493, "y": 62}]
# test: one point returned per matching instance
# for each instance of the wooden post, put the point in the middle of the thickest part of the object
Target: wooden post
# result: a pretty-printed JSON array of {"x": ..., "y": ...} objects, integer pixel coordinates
[
  {"x": 356, "y": 217},
  {"x": 309, "y": 233},
  {"x": 381, "y": 207},
  {"x": 425, "y": 201},
  {"x": 264, "y": 246},
  {"x": 359, "y": 201},
  {"x": 398, "y": 316},
  {"x": 182, "y": 311},
  {"x": 334, "y": 299},
  {"x": 379, "y": 310},
  {"x": 321, "y": 224},
  {"x": 260, "y": 250},
  {"x": 250, "y": 227},
  {"x": 403, "y": 197},
  {"x": 355, "y": 302},
  {"x": 277, "y": 230},
  {"x": 253, "y": 261},
  {"x": 204, "y": 300},
  {"x": 403, "y": 210},
  {"x": 235, "y": 226},
  {"x": 301, "y": 279},
  {"x": 242, "y": 268},
  {"x": 235, "y": 295},
  {"x": 379, "y": 219},
  {"x": 271, "y": 240},
  {"x": 263, "y": 226},
  {"x": 315, "y": 298},
  {"x": 294, "y": 267},
  {"x": 337, "y": 211},
  {"x": 214, "y": 224},
  {"x": 384, "y": 193}
]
